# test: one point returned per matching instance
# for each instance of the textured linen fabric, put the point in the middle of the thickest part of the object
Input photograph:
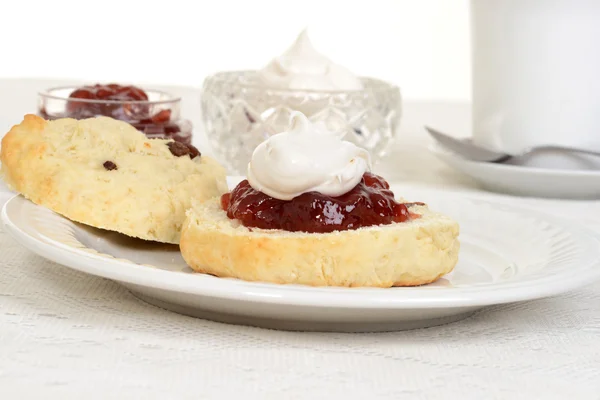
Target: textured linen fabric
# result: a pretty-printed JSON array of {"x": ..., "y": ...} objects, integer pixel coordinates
[{"x": 69, "y": 335}]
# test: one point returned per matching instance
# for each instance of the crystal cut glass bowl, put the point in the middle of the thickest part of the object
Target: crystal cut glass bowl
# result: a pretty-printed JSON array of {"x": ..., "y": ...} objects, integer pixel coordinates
[{"x": 239, "y": 113}]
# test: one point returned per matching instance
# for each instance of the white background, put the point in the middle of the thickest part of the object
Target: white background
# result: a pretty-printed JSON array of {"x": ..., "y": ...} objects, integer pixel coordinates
[{"x": 422, "y": 45}]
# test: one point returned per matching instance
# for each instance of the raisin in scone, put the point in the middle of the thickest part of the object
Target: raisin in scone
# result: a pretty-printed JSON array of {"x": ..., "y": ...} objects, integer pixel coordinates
[
  {"x": 310, "y": 212},
  {"x": 105, "y": 173}
]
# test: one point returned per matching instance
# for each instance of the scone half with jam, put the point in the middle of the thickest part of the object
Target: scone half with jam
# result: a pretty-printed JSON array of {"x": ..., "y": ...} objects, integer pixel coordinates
[
  {"x": 105, "y": 173},
  {"x": 310, "y": 212}
]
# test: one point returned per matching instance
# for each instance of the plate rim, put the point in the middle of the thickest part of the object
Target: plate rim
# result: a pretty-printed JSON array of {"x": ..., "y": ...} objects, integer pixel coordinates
[{"x": 127, "y": 272}]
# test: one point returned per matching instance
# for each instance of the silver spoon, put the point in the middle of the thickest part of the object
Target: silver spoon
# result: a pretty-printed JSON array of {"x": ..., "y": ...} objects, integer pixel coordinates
[{"x": 472, "y": 152}]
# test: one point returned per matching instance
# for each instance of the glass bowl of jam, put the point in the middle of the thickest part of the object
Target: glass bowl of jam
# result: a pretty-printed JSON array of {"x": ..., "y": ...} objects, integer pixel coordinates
[
  {"x": 239, "y": 112},
  {"x": 155, "y": 113}
]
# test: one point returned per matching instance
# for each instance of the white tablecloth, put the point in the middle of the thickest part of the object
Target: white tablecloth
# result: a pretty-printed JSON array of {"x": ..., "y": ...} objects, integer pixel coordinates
[{"x": 65, "y": 334}]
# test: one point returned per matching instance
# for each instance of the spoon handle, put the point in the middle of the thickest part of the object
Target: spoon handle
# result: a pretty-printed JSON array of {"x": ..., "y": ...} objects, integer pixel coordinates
[{"x": 566, "y": 148}]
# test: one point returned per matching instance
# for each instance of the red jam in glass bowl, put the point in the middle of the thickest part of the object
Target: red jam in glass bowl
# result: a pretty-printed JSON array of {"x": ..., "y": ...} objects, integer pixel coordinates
[
  {"x": 370, "y": 203},
  {"x": 155, "y": 113}
]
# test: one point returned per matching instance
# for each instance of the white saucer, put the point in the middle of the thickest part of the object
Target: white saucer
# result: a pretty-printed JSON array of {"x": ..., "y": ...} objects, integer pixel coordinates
[
  {"x": 526, "y": 181},
  {"x": 507, "y": 255}
]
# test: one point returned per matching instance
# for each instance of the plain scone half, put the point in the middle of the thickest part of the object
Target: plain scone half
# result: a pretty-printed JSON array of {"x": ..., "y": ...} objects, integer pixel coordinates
[
  {"x": 59, "y": 164},
  {"x": 411, "y": 253}
]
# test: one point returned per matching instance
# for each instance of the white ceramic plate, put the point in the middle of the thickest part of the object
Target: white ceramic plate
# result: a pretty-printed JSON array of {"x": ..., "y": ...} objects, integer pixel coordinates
[
  {"x": 526, "y": 181},
  {"x": 507, "y": 255}
]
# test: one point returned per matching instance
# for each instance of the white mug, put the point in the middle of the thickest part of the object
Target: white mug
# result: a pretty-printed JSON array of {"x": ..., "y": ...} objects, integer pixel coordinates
[{"x": 536, "y": 73}]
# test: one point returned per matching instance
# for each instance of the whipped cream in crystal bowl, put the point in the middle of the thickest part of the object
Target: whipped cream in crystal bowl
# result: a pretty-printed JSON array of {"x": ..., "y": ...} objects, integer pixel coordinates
[
  {"x": 240, "y": 109},
  {"x": 302, "y": 67},
  {"x": 305, "y": 158}
]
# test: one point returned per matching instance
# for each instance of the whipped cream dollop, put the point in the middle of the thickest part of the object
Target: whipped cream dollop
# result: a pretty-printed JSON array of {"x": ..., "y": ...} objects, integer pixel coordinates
[
  {"x": 306, "y": 158},
  {"x": 302, "y": 67}
]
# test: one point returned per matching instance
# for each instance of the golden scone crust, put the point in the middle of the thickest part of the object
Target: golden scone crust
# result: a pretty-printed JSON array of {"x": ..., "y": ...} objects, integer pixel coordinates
[
  {"x": 59, "y": 164},
  {"x": 404, "y": 254}
]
